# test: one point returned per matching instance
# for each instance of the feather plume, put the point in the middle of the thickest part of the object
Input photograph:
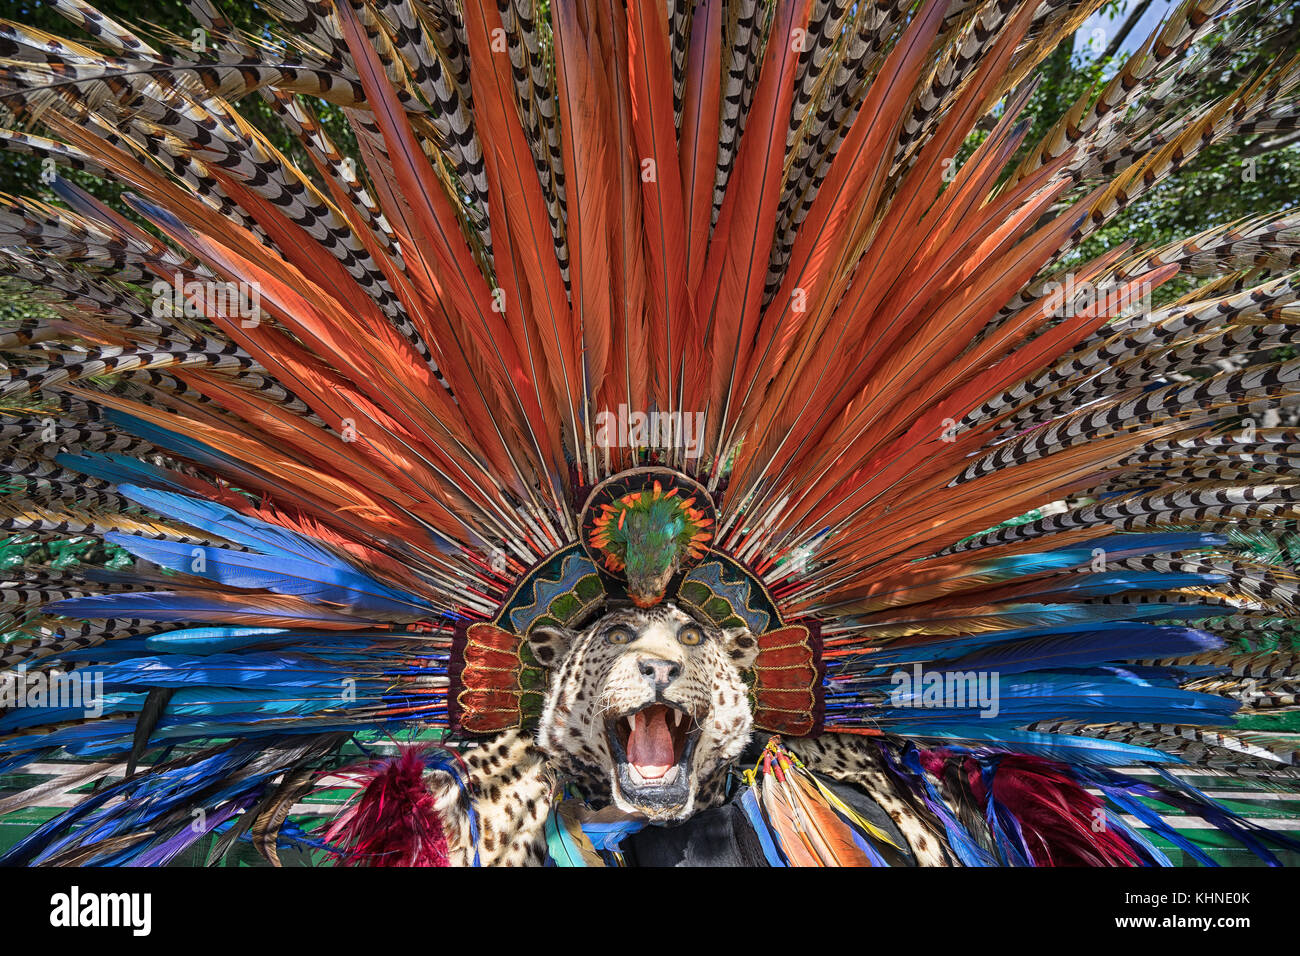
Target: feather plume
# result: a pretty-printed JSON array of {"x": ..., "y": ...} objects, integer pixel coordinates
[{"x": 328, "y": 409}]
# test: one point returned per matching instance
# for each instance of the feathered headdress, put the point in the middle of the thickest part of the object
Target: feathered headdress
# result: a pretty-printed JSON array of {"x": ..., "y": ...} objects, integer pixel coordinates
[{"x": 718, "y": 302}]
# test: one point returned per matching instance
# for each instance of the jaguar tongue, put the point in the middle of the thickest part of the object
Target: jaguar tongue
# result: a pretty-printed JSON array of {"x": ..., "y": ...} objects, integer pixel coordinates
[{"x": 650, "y": 744}]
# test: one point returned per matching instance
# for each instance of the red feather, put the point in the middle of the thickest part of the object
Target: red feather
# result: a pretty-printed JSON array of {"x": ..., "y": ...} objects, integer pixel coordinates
[
  {"x": 1058, "y": 817},
  {"x": 395, "y": 821}
]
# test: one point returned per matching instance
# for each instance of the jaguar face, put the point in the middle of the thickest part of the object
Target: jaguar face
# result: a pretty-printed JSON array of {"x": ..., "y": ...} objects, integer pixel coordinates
[{"x": 648, "y": 704}]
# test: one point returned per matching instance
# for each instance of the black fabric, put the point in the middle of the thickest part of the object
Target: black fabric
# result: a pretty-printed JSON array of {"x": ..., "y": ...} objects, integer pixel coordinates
[
  {"x": 718, "y": 837},
  {"x": 724, "y": 836}
]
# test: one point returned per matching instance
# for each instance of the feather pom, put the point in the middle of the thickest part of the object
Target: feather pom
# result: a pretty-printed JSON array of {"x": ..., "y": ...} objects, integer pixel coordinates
[{"x": 394, "y": 820}]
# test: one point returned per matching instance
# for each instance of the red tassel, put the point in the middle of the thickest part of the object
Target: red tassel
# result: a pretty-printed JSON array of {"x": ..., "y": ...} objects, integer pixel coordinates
[{"x": 394, "y": 821}]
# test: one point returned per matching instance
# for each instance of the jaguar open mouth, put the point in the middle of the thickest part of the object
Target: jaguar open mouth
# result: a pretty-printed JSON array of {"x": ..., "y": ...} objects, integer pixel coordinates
[{"x": 652, "y": 752}]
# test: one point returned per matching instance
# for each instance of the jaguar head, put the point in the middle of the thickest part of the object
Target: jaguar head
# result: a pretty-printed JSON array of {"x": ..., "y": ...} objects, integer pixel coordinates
[{"x": 647, "y": 704}]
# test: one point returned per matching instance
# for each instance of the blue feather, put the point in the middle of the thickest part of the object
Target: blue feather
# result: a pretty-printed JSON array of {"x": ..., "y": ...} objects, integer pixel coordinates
[
  {"x": 314, "y": 580},
  {"x": 1097, "y": 617},
  {"x": 1008, "y": 839},
  {"x": 97, "y": 705},
  {"x": 189, "y": 447},
  {"x": 1084, "y": 586},
  {"x": 608, "y": 836},
  {"x": 1119, "y": 796},
  {"x": 119, "y": 469},
  {"x": 969, "y": 852},
  {"x": 749, "y": 803},
  {"x": 1250, "y": 835},
  {"x": 229, "y": 524},
  {"x": 1040, "y": 615},
  {"x": 1062, "y": 747},
  {"x": 1101, "y": 695},
  {"x": 562, "y": 850},
  {"x": 1089, "y": 647},
  {"x": 1116, "y": 547},
  {"x": 187, "y": 608}
]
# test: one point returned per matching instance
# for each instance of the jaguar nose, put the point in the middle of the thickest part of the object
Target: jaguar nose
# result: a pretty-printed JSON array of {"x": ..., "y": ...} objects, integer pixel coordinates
[{"x": 660, "y": 673}]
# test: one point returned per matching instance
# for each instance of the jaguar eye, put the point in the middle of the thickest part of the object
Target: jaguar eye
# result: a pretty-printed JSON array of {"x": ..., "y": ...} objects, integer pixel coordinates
[
  {"x": 690, "y": 635},
  {"x": 618, "y": 635}
]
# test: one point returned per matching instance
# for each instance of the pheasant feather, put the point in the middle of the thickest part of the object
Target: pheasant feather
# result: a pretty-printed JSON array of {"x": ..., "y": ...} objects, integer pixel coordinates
[{"x": 379, "y": 425}]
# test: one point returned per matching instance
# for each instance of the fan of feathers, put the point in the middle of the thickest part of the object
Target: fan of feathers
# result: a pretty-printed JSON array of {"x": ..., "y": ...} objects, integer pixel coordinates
[{"x": 333, "y": 405}]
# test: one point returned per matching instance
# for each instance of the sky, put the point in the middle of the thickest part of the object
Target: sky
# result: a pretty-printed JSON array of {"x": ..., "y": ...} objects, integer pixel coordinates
[{"x": 1100, "y": 21}]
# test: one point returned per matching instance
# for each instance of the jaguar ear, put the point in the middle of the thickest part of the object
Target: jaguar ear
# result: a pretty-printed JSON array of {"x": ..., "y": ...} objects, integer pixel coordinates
[
  {"x": 741, "y": 646},
  {"x": 549, "y": 643}
]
